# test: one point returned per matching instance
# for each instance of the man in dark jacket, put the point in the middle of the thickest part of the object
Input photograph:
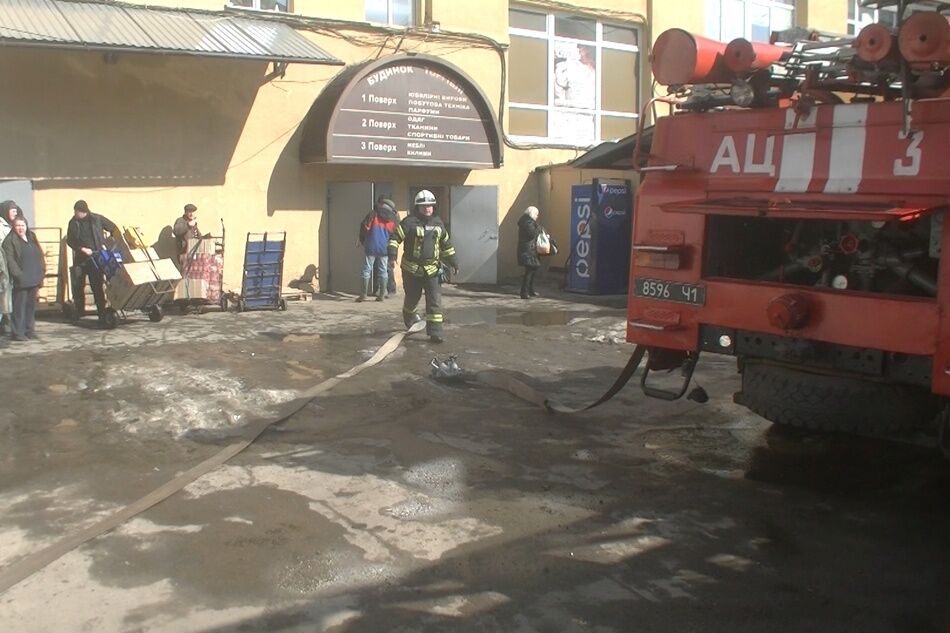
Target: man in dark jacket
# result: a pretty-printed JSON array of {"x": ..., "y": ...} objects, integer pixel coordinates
[
  {"x": 375, "y": 231},
  {"x": 85, "y": 236},
  {"x": 426, "y": 247}
]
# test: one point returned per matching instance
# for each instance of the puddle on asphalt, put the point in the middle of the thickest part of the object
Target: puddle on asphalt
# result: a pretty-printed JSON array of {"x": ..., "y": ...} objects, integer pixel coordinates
[{"x": 506, "y": 316}]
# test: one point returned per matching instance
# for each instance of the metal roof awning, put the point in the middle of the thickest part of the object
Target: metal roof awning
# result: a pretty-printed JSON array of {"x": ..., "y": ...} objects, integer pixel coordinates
[
  {"x": 124, "y": 27},
  {"x": 615, "y": 154}
]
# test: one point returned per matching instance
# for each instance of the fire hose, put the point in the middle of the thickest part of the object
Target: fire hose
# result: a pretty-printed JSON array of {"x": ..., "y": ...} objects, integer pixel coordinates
[
  {"x": 32, "y": 563},
  {"x": 520, "y": 389}
]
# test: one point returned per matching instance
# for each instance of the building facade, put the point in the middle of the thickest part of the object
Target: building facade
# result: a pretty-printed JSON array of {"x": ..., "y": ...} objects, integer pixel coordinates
[{"x": 468, "y": 100}]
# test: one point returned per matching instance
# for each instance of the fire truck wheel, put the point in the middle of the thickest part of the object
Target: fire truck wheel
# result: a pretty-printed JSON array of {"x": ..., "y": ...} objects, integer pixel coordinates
[{"x": 794, "y": 397}]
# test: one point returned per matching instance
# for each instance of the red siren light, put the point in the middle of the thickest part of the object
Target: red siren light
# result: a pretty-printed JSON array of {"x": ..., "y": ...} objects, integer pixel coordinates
[
  {"x": 681, "y": 58},
  {"x": 925, "y": 39}
]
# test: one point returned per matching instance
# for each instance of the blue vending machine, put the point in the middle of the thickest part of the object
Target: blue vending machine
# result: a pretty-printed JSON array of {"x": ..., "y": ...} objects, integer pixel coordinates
[{"x": 601, "y": 221}]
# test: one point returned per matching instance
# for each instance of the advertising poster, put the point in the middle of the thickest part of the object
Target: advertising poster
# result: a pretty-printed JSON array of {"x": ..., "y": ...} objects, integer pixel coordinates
[
  {"x": 611, "y": 238},
  {"x": 580, "y": 262},
  {"x": 601, "y": 221}
]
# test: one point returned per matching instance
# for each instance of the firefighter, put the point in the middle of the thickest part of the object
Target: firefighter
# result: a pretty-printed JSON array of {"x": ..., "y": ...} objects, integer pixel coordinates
[{"x": 427, "y": 248}]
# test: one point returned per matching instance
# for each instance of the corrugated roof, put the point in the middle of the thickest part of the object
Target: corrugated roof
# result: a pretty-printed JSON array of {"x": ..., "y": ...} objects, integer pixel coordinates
[
  {"x": 101, "y": 26},
  {"x": 616, "y": 154}
]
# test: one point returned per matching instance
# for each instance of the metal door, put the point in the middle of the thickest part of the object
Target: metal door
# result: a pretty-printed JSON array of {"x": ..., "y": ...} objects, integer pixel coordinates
[
  {"x": 347, "y": 205},
  {"x": 474, "y": 231}
]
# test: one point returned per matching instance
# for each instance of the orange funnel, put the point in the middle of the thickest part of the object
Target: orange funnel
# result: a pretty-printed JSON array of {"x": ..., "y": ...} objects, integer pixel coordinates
[
  {"x": 741, "y": 55},
  {"x": 681, "y": 58}
]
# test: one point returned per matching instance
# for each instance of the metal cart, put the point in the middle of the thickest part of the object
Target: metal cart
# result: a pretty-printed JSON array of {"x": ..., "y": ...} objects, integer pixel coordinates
[
  {"x": 263, "y": 273},
  {"x": 127, "y": 289}
]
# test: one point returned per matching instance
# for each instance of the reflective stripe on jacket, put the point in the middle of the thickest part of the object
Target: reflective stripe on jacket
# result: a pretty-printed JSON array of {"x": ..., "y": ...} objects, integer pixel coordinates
[{"x": 425, "y": 245}]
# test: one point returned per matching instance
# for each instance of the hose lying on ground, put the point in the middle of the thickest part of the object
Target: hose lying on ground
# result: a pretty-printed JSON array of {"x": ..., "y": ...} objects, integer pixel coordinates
[{"x": 26, "y": 567}]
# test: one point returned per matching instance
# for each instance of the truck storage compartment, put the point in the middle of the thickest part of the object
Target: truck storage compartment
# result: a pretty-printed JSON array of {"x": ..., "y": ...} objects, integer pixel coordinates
[{"x": 895, "y": 258}]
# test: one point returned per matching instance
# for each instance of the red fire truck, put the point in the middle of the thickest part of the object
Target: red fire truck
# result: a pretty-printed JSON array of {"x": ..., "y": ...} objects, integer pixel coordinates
[{"x": 792, "y": 214}]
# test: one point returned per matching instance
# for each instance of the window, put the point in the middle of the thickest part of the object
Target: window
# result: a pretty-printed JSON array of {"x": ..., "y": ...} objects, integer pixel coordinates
[
  {"x": 755, "y": 20},
  {"x": 394, "y": 12},
  {"x": 281, "y": 6},
  {"x": 859, "y": 17},
  {"x": 571, "y": 79}
]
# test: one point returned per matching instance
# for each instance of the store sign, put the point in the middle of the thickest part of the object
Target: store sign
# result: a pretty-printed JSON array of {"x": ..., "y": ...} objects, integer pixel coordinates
[{"x": 412, "y": 110}]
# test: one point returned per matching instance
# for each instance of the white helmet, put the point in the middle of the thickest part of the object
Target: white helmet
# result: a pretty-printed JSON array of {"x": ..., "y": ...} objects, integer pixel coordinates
[{"x": 424, "y": 198}]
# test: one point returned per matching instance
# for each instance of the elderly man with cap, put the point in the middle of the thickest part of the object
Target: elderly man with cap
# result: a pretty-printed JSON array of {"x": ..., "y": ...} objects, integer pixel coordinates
[
  {"x": 85, "y": 236},
  {"x": 186, "y": 226}
]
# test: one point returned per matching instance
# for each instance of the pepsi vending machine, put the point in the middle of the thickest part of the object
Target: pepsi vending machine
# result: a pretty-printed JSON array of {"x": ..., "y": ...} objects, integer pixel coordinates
[{"x": 601, "y": 220}]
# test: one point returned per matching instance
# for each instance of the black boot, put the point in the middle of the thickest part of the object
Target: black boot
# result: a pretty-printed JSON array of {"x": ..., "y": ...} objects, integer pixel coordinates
[
  {"x": 381, "y": 292},
  {"x": 528, "y": 284}
]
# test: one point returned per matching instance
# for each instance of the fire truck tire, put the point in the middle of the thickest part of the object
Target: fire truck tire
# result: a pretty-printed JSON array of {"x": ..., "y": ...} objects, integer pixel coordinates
[{"x": 793, "y": 397}]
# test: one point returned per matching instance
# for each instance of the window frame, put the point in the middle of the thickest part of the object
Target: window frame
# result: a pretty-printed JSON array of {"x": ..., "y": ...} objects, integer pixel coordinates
[
  {"x": 785, "y": 5},
  {"x": 599, "y": 45},
  {"x": 855, "y": 24},
  {"x": 256, "y": 6},
  {"x": 413, "y": 15}
]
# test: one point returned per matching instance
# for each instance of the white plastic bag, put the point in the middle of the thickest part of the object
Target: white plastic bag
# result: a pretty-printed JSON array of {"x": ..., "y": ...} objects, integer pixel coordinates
[{"x": 543, "y": 243}]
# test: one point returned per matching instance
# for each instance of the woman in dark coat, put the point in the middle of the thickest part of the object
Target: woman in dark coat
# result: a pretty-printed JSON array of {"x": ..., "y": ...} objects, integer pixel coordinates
[
  {"x": 24, "y": 257},
  {"x": 528, "y": 229}
]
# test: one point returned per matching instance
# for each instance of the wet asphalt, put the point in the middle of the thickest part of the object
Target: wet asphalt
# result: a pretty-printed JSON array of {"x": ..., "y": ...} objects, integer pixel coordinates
[{"x": 397, "y": 502}]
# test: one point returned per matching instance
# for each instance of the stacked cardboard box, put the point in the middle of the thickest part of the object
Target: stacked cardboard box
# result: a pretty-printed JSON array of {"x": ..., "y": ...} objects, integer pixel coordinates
[{"x": 143, "y": 281}]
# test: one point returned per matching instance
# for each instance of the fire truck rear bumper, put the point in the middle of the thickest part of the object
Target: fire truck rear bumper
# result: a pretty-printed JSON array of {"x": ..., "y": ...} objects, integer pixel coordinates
[
  {"x": 893, "y": 367},
  {"x": 900, "y": 339}
]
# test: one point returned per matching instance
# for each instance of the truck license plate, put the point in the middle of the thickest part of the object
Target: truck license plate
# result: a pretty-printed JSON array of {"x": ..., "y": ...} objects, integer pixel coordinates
[{"x": 670, "y": 291}]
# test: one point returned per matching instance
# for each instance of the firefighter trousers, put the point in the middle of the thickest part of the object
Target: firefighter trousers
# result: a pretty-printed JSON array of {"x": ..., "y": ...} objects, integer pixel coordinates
[{"x": 414, "y": 287}]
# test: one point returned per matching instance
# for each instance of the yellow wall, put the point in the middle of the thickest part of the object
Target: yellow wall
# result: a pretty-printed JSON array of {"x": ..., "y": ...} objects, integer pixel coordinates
[
  {"x": 824, "y": 15},
  {"x": 683, "y": 14}
]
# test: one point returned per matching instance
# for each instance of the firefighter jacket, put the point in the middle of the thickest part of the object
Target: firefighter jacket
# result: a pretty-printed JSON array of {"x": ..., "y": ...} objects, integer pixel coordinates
[{"x": 425, "y": 245}]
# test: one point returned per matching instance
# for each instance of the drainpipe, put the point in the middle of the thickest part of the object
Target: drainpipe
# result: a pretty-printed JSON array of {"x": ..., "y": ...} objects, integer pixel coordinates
[{"x": 427, "y": 20}]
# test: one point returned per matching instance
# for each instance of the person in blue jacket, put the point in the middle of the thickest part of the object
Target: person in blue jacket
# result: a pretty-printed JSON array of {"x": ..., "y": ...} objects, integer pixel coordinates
[{"x": 375, "y": 231}]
